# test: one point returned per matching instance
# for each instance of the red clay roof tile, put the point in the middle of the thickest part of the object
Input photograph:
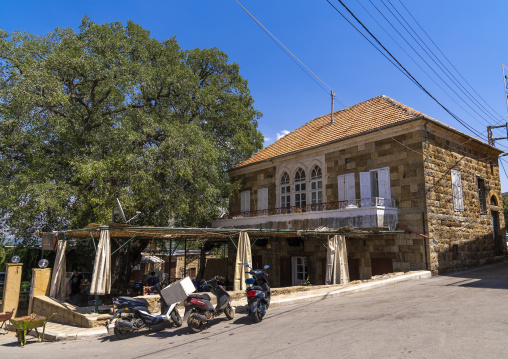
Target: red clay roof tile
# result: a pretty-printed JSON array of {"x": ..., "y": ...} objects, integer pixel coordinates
[{"x": 365, "y": 116}]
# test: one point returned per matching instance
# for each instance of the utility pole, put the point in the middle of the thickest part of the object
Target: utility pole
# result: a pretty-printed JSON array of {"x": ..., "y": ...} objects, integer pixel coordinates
[
  {"x": 492, "y": 140},
  {"x": 333, "y": 98}
]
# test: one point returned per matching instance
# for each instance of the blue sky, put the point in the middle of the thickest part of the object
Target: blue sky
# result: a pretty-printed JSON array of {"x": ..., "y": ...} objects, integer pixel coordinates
[{"x": 470, "y": 33}]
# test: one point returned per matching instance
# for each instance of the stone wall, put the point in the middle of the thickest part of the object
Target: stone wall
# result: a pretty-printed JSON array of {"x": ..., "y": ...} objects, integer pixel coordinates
[
  {"x": 419, "y": 155},
  {"x": 262, "y": 178},
  {"x": 461, "y": 239}
]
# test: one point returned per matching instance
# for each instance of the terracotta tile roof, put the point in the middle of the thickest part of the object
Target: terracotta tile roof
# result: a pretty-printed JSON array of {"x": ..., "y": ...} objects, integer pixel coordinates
[{"x": 365, "y": 116}]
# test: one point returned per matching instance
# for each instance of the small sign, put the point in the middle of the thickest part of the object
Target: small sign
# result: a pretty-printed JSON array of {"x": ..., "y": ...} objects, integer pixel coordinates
[{"x": 49, "y": 241}]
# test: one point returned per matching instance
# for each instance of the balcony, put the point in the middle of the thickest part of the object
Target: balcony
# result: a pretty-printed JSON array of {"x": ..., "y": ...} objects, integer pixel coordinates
[{"x": 359, "y": 213}]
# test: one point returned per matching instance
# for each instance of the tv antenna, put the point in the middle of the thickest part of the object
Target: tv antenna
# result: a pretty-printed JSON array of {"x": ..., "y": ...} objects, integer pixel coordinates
[{"x": 121, "y": 212}]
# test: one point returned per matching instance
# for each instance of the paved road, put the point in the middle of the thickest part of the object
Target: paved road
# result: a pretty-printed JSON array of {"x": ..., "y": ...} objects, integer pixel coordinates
[{"x": 463, "y": 315}]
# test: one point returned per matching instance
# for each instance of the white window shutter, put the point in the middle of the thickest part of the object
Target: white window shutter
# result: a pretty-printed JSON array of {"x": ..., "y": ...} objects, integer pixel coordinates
[
  {"x": 350, "y": 187},
  {"x": 245, "y": 201},
  {"x": 384, "y": 182},
  {"x": 262, "y": 198},
  {"x": 458, "y": 200},
  {"x": 365, "y": 184},
  {"x": 342, "y": 187}
]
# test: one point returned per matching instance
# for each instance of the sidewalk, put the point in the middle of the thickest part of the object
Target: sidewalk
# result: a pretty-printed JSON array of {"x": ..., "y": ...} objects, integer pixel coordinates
[{"x": 56, "y": 332}]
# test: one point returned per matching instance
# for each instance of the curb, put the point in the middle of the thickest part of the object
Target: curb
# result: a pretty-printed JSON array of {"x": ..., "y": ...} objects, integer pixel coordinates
[{"x": 349, "y": 289}]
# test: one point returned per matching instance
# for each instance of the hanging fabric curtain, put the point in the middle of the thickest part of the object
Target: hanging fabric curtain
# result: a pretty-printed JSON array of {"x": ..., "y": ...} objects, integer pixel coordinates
[
  {"x": 337, "y": 270},
  {"x": 58, "y": 285},
  {"x": 101, "y": 276},
  {"x": 331, "y": 260},
  {"x": 243, "y": 255}
]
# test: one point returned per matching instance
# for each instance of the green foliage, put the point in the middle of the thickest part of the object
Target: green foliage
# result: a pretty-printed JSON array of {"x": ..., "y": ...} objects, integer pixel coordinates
[
  {"x": 28, "y": 256},
  {"x": 108, "y": 112}
]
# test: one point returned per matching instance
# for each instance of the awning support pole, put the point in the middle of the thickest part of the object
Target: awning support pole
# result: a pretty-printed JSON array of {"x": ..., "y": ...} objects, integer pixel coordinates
[
  {"x": 116, "y": 250},
  {"x": 233, "y": 242},
  {"x": 93, "y": 240}
]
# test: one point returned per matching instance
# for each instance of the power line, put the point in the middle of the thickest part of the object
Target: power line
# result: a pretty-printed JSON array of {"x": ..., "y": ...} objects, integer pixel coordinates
[
  {"x": 446, "y": 58},
  {"x": 291, "y": 55},
  {"x": 421, "y": 44},
  {"x": 412, "y": 57},
  {"x": 400, "y": 66}
]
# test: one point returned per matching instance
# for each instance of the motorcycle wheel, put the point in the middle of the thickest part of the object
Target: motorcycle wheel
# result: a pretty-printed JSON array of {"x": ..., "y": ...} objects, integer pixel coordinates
[
  {"x": 229, "y": 311},
  {"x": 176, "y": 318},
  {"x": 122, "y": 334},
  {"x": 258, "y": 315},
  {"x": 195, "y": 325}
]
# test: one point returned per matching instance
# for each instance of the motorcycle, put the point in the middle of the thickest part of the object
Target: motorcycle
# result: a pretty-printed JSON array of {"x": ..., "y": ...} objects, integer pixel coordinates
[
  {"x": 199, "y": 309},
  {"x": 134, "y": 315},
  {"x": 258, "y": 294}
]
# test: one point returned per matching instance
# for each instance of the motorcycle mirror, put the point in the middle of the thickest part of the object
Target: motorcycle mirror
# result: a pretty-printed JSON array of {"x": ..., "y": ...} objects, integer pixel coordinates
[
  {"x": 266, "y": 266},
  {"x": 245, "y": 265}
]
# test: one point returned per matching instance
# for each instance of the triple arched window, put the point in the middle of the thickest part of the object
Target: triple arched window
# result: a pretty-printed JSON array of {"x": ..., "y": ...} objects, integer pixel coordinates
[{"x": 300, "y": 187}]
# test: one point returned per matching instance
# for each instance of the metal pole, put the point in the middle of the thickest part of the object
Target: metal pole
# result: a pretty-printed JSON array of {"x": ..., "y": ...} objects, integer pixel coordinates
[
  {"x": 185, "y": 259},
  {"x": 333, "y": 97},
  {"x": 170, "y": 256}
]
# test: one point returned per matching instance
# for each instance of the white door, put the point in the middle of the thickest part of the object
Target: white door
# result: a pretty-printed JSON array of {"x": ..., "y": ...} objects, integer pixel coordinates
[{"x": 299, "y": 270}]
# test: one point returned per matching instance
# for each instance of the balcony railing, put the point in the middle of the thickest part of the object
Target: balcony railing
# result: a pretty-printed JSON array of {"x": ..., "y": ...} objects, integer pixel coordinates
[{"x": 339, "y": 205}]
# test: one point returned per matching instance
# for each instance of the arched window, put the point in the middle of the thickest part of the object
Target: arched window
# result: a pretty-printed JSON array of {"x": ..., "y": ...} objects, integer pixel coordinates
[
  {"x": 316, "y": 186},
  {"x": 285, "y": 191},
  {"x": 300, "y": 188}
]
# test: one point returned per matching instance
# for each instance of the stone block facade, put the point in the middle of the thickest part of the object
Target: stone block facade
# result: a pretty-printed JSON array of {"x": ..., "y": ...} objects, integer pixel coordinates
[{"x": 420, "y": 155}]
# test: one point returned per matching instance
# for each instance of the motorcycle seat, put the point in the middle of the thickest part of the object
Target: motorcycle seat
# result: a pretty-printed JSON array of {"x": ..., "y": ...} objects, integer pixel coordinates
[
  {"x": 201, "y": 296},
  {"x": 143, "y": 302}
]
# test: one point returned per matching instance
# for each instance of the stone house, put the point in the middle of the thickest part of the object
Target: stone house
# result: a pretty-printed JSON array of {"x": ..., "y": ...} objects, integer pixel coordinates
[{"x": 426, "y": 195}]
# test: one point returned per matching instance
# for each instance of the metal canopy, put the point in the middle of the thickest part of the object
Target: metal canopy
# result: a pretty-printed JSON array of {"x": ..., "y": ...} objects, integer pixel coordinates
[{"x": 118, "y": 230}]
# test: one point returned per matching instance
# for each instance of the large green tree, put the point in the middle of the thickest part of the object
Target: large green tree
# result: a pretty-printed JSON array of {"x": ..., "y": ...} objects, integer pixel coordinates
[{"x": 107, "y": 111}]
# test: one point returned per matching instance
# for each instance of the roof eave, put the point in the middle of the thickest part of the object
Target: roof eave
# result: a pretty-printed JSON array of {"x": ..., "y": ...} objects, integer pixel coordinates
[{"x": 415, "y": 118}]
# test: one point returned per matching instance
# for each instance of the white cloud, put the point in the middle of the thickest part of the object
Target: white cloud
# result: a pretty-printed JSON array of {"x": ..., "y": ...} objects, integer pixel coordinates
[
  {"x": 268, "y": 139},
  {"x": 282, "y": 134}
]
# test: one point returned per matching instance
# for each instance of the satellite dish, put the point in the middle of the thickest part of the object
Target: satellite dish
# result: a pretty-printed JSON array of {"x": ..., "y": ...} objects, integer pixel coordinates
[{"x": 121, "y": 211}]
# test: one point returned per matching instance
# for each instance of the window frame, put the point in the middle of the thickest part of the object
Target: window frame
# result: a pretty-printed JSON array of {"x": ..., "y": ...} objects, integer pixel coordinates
[
  {"x": 482, "y": 194},
  {"x": 300, "y": 188},
  {"x": 317, "y": 181},
  {"x": 285, "y": 190}
]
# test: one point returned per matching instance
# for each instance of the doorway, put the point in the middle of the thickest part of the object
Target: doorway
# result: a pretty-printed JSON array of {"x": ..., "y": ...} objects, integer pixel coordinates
[{"x": 299, "y": 270}]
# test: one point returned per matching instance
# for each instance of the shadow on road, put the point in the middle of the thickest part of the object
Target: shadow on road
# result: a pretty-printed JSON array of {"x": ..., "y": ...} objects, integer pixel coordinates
[{"x": 493, "y": 276}]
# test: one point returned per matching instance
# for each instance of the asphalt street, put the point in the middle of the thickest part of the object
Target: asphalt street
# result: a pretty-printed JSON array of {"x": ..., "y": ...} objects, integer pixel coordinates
[{"x": 461, "y": 315}]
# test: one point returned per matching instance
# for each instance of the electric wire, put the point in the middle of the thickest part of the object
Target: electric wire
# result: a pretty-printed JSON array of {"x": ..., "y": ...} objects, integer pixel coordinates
[
  {"x": 421, "y": 43},
  {"x": 295, "y": 59},
  {"x": 446, "y": 58},
  {"x": 401, "y": 67},
  {"x": 468, "y": 103},
  {"x": 408, "y": 55}
]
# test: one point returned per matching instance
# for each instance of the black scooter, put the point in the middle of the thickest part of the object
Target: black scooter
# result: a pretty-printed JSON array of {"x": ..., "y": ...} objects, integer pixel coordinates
[
  {"x": 258, "y": 294},
  {"x": 199, "y": 310},
  {"x": 134, "y": 315}
]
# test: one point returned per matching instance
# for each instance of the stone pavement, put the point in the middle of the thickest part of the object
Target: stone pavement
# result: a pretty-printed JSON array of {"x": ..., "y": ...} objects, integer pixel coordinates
[{"x": 57, "y": 332}]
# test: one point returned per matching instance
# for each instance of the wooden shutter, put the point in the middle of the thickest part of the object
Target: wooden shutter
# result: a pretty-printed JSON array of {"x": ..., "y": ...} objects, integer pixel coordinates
[
  {"x": 350, "y": 187},
  {"x": 384, "y": 182},
  {"x": 262, "y": 198},
  {"x": 365, "y": 189},
  {"x": 245, "y": 201},
  {"x": 458, "y": 201},
  {"x": 342, "y": 187}
]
